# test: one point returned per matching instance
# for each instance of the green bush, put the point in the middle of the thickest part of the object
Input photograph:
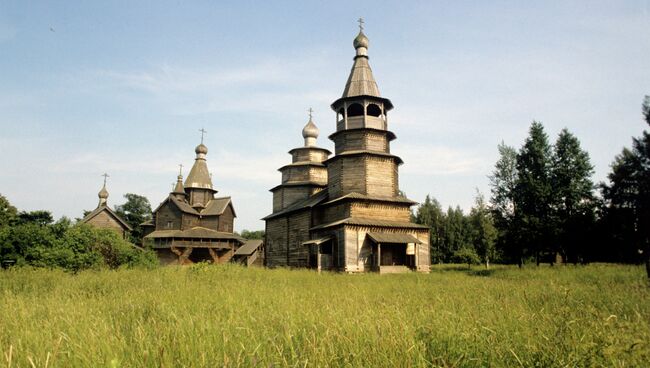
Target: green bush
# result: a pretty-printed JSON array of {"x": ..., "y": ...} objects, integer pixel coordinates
[
  {"x": 466, "y": 255},
  {"x": 71, "y": 248}
]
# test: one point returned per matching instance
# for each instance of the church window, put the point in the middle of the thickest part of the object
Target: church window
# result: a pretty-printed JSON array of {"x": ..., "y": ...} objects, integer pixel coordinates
[
  {"x": 374, "y": 110},
  {"x": 355, "y": 110}
]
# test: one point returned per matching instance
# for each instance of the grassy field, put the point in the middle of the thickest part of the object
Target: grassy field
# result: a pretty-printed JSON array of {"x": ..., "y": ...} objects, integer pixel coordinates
[{"x": 597, "y": 315}]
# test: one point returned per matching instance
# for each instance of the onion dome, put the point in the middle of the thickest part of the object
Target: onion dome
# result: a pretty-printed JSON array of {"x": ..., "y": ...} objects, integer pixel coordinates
[
  {"x": 201, "y": 149},
  {"x": 361, "y": 41},
  {"x": 103, "y": 196},
  {"x": 310, "y": 130}
]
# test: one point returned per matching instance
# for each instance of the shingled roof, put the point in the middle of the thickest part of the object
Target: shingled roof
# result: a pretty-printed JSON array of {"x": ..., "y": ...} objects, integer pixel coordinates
[{"x": 361, "y": 82}]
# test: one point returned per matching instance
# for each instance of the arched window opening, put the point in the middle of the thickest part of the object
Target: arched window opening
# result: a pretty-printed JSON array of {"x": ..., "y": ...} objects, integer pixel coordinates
[
  {"x": 374, "y": 110},
  {"x": 342, "y": 112},
  {"x": 355, "y": 110}
]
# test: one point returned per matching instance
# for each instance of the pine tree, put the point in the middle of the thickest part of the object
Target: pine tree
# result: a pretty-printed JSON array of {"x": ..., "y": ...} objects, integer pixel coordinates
[
  {"x": 430, "y": 213},
  {"x": 503, "y": 183},
  {"x": 627, "y": 195},
  {"x": 573, "y": 199},
  {"x": 532, "y": 197},
  {"x": 484, "y": 233}
]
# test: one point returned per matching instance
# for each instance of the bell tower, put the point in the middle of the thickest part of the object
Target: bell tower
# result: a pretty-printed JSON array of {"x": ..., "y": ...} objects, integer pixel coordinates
[{"x": 362, "y": 163}]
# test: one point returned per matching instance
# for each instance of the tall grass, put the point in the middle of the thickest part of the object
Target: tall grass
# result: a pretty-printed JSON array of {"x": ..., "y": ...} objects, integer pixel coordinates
[{"x": 597, "y": 315}]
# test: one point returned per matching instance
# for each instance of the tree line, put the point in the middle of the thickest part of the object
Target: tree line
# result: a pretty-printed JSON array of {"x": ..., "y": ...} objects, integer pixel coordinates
[
  {"x": 35, "y": 239},
  {"x": 545, "y": 207}
]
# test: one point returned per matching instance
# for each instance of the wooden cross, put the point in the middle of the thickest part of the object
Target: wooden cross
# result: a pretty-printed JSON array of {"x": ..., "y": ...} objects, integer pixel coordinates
[
  {"x": 360, "y": 24},
  {"x": 203, "y": 131},
  {"x": 180, "y": 171},
  {"x": 311, "y": 111},
  {"x": 105, "y": 175}
]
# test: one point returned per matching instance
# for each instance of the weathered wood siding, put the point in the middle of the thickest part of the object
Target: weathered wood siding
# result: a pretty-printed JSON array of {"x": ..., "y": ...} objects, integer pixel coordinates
[
  {"x": 169, "y": 217},
  {"x": 381, "y": 178},
  {"x": 105, "y": 220},
  {"x": 284, "y": 238},
  {"x": 381, "y": 211},
  {"x": 226, "y": 220},
  {"x": 276, "y": 242},
  {"x": 306, "y": 154},
  {"x": 361, "y": 141}
]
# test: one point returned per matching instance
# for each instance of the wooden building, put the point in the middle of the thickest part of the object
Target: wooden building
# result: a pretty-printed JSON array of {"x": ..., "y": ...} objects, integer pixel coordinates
[
  {"x": 345, "y": 212},
  {"x": 191, "y": 224},
  {"x": 104, "y": 217}
]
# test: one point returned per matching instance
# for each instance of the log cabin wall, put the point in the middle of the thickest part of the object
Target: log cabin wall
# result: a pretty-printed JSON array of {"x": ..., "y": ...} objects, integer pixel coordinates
[
  {"x": 276, "y": 241},
  {"x": 226, "y": 220},
  {"x": 169, "y": 217},
  {"x": 381, "y": 210},
  {"x": 106, "y": 221},
  {"x": 381, "y": 176}
]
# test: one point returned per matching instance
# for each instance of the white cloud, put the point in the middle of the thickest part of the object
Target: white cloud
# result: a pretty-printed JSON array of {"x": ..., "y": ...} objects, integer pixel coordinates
[{"x": 438, "y": 160}]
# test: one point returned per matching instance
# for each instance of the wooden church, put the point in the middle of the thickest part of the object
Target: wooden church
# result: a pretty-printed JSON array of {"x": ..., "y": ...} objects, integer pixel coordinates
[
  {"x": 346, "y": 212},
  {"x": 104, "y": 217},
  {"x": 192, "y": 225}
]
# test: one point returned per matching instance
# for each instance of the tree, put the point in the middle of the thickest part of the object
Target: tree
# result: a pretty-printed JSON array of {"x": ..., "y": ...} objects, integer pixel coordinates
[
  {"x": 39, "y": 217},
  {"x": 455, "y": 233},
  {"x": 430, "y": 214},
  {"x": 258, "y": 234},
  {"x": 135, "y": 211},
  {"x": 573, "y": 198},
  {"x": 8, "y": 213},
  {"x": 484, "y": 233},
  {"x": 466, "y": 255},
  {"x": 503, "y": 183},
  {"x": 532, "y": 197},
  {"x": 628, "y": 194}
]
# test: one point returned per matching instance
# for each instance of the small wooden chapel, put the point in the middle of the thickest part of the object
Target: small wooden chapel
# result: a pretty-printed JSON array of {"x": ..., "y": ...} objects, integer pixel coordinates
[{"x": 192, "y": 225}]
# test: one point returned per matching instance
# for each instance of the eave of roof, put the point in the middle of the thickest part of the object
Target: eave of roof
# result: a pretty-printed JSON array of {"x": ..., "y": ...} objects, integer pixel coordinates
[
  {"x": 302, "y": 163},
  {"x": 301, "y": 205},
  {"x": 390, "y": 135},
  {"x": 362, "y": 153},
  {"x": 310, "y": 148},
  {"x": 398, "y": 238},
  {"x": 354, "y": 195},
  {"x": 299, "y": 184},
  {"x": 359, "y": 221},
  {"x": 194, "y": 233}
]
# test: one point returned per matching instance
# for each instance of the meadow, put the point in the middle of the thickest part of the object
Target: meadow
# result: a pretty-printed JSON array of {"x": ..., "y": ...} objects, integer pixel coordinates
[{"x": 597, "y": 315}]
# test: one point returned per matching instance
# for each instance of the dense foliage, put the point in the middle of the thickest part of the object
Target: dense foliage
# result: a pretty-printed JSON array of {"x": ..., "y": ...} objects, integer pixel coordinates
[
  {"x": 135, "y": 211},
  {"x": 33, "y": 239}
]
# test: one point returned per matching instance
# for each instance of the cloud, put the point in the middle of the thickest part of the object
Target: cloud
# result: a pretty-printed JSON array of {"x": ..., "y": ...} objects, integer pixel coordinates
[{"x": 438, "y": 160}]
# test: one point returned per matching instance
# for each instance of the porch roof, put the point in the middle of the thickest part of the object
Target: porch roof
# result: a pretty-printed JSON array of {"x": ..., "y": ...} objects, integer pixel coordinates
[{"x": 393, "y": 238}]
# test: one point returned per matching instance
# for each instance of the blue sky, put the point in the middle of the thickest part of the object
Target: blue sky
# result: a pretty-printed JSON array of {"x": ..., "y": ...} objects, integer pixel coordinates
[{"x": 123, "y": 87}]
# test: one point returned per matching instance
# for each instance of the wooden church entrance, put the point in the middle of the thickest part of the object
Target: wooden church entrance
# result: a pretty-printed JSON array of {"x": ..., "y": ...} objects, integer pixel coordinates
[{"x": 394, "y": 253}]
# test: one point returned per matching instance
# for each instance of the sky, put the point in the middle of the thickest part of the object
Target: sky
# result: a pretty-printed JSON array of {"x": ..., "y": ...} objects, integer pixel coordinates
[{"x": 123, "y": 87}]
